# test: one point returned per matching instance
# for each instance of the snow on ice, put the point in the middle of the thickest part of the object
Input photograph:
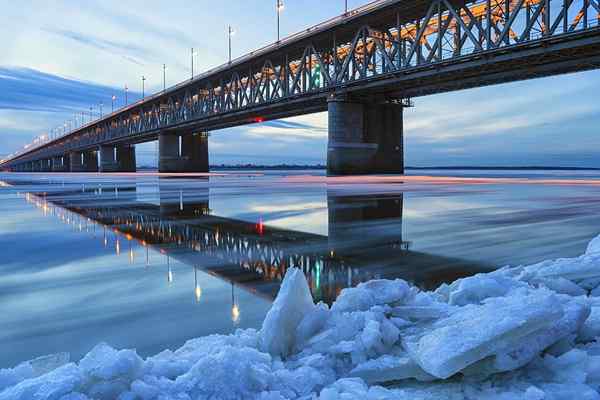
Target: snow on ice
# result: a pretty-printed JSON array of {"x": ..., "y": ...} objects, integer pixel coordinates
[{"x": 527, "y": 332}]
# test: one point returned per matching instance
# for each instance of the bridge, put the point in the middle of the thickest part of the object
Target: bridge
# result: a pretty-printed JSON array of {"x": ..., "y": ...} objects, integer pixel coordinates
[
  {"x": 364, "y": 239},
  {"x": 362, "y": 67}
]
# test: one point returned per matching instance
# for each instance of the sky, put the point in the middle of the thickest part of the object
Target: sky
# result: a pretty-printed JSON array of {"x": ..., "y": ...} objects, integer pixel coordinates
[{"x": 60, "y": 58}]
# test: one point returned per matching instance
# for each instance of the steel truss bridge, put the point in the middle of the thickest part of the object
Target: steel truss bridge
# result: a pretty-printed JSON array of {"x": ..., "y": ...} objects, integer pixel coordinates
[{"x": 386, "y": 52}]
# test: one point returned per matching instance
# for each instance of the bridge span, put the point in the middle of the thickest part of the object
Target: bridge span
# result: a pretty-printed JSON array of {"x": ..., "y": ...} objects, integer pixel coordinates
[{"x": 362, "y": 67}]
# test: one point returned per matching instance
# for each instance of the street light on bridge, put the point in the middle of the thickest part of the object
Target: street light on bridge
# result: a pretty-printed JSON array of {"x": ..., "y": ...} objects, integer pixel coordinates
[
  {"x": 101, "y": 104},
  {"x": 231, "y": 32},
  {"x": 279, "y": 7},
  {"x": 126, "y": 89},
  {"x": 164, "y": 77},
  {"x": 143, "y": 87},
  {"x": 194, "y": 54},
  {"x": 113, "y": 103}
]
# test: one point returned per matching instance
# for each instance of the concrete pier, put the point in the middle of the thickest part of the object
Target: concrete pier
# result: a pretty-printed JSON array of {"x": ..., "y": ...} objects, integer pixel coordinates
[
  {"x": 365, "y": 138},
  {"x": 183, "y": 153},
  {"x": 83, "y": 161},
  {"x": 60, "y": 164},
  {"x": 117, "y": 158}
]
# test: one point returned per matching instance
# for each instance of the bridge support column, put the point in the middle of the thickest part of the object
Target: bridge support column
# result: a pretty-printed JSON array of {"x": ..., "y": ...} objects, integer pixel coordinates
[
  {"x": 60, "y": 164},
  {"x": 183, "y": 152},
  {"x": 365, "y": 138},
  {"x": 83, "y": 161},
  {"x": 117, "y": 158}
]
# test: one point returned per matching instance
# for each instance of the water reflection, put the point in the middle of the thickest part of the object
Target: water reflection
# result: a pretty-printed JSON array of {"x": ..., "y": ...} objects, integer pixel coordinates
[{"x": 364, "y": 240}]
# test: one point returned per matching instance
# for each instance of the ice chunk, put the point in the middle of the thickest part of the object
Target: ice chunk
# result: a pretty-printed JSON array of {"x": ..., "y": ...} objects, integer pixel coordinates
[
  {"x": 312, "y": 324},
  {"x": 106, "y": 363},
  {"x": 294, "y": 301},
  {"x": 389, "y": 333},
  {"x": 524, "y": 349},
  {"x": 60, "y": 382},
  {"x": 574, "y": 269},
  {"x": 473, "y": 333},
  {"x": 229, "y": 373},
  {"x": 389, "y": 368},
  {"x": 561, "y": 285},
  {"x": 371, "y": 336},
  {"x": 474, "y": 289},
  {"x": 591, "y": 328},
  {"x": 31, "y": 369},
  {"x": 419, "y": 313},
  {"x": 371, "y": 293},
  {"x": 593, "y": 246}
]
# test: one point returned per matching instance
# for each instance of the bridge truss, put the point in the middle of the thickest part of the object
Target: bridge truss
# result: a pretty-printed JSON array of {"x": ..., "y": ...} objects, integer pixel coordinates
[{"x": 396, "y": 50}]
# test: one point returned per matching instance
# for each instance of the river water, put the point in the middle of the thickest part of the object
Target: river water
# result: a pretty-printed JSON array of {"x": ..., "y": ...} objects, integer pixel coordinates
[{"x": 147, "y": 262}]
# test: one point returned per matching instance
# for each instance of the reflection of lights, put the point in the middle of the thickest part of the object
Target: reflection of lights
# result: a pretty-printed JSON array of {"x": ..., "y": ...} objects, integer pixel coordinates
[
  {"x": 181, "y": 200},
  {"x": 197, "y": 289},
  {"x": 235, "y": 309},
  {"x": 118, "y": 246},
  {"x": 235, "y": 314},
  {"x": 170, "y": 272}
]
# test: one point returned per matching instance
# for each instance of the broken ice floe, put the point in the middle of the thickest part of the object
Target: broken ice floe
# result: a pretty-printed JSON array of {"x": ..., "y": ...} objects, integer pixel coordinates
[{"x": 528, "y": 332}]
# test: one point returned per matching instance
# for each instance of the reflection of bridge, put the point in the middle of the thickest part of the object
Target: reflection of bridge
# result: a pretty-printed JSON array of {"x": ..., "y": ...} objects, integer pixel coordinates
[
  {"x": 361, "y": 67},
  {"x": 364, "y": 241}
]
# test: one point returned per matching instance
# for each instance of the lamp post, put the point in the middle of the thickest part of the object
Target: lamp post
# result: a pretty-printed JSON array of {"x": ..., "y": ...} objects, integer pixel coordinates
[
  {"x": 164, "y": 77},
  {"x": 193, "y": 54},
  {"x": 101, "y": 104},
  {"x": 126, "y": 89},
  {"x": 90, "y": 114},
  {"x": 143, "y": 87},
  {"x": 346, "y": 8},
  {"x": 279, "y": 7},
  {"x": 231, "y": 32},
  {"x": 112, "y": 99}
]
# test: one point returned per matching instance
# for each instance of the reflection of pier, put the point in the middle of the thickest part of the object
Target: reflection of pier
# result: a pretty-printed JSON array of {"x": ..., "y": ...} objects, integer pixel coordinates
[{"x": 364, "y": 239}]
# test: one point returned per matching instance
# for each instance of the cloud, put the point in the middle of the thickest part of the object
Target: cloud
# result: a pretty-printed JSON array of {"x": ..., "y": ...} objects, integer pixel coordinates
[
  {"x": 128, "y": 51},
  {"x": 33, "y": 90}
]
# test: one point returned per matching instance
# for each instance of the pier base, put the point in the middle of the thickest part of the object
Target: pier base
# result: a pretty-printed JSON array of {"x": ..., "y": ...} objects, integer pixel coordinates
[
  {"x": 183, "y": 153},
  {"x": 117, "y": 158},
  {"x": 365, "y": 138},
  {"x": 83, "y": 161}
]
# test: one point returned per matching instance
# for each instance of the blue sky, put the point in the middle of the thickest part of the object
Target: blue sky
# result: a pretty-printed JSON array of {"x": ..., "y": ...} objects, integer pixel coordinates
[{"x": 59, "y": 58}]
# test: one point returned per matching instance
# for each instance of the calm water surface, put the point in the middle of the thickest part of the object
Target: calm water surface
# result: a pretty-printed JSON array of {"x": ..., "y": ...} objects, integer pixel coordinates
[{"x": 147, "y": 262}]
